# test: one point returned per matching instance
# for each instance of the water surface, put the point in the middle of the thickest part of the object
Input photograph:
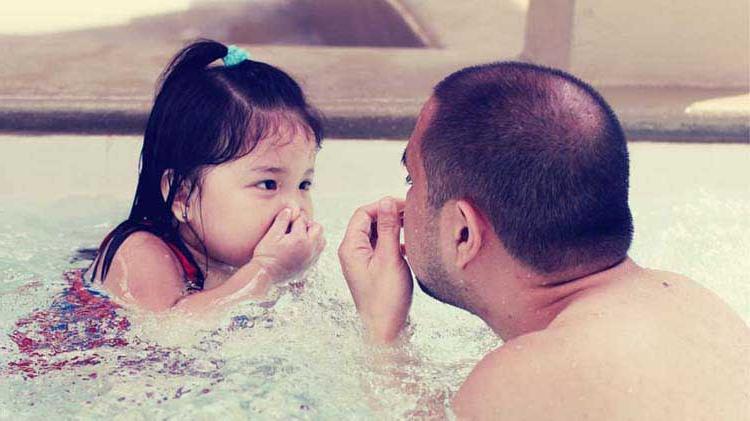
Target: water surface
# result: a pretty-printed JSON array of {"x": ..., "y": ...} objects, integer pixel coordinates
[{"x": 302, "y": 358}]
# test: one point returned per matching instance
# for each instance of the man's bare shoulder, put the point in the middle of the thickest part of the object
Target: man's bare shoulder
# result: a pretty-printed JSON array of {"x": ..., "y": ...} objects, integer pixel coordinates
[
  {"x": 659, "y": 348},
  {"x": 530, "y": 377}
]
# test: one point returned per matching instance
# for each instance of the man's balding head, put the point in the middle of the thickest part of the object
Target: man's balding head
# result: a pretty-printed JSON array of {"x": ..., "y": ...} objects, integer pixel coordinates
[{"x": 541, "y": 154}]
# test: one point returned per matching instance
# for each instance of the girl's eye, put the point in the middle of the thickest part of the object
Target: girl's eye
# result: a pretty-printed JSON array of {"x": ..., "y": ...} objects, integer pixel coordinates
[
  {"x": 305, "y": 185},
  {"x": 408, "y": 180},
  {"x": 267, "y": 185}
]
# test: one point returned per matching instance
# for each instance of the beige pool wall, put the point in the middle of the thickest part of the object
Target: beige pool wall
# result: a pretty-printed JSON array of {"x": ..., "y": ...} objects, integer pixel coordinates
[
  {"x": 652, "y": 43},
  {"x": 665, "y": 64},
  {"x": 695, "y": 43},
  {"x": 672, "y": 70}
]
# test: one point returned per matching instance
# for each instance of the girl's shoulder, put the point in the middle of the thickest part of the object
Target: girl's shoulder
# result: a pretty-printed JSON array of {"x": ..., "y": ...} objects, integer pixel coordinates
[
  {"x": 148, "y": 247},
  {"x": 154, "y": 240},
  {"x": 144, "y": 271}
]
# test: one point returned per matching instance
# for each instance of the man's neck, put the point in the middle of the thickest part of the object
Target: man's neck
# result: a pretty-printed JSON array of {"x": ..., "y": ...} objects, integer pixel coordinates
[{"x": 529, "y": 302}]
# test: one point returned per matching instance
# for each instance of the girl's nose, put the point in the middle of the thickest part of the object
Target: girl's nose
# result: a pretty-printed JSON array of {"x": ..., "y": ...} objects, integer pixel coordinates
[
  {"x": 297, "y": 206},
  {"x": 298, "y": 201}
]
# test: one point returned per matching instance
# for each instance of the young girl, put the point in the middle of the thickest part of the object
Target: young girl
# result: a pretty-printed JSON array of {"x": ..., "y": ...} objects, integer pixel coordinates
[{"x": 222, "y": 209}]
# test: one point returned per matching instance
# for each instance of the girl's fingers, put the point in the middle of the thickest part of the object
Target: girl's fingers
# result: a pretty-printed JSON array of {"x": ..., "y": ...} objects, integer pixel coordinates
[
  {"x": 321, "y": 245},
  {"x": 299, "y": 226},
  {"x": 315, "y": 230},
  {"x": 320, "y": 239},
  {"x": 306, "y": 219},
  {"x": 281, "y": 223}
]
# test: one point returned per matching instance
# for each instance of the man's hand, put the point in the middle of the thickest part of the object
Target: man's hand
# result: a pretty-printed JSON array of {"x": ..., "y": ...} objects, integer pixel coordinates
[{"x": 375, "y": 270}]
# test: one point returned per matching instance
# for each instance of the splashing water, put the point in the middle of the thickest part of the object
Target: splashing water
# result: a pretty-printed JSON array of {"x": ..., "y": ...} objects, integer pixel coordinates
[{"x": 67, "y": 352}]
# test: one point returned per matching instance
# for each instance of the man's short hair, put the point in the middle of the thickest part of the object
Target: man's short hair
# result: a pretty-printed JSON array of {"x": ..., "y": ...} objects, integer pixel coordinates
[{"x": 541, "y": 154}]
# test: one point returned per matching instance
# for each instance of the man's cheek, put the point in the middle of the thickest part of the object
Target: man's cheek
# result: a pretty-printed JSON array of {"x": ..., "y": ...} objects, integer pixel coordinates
[
  {"x": 410, "y": 235},
  {"x": 406, "y": 222}
]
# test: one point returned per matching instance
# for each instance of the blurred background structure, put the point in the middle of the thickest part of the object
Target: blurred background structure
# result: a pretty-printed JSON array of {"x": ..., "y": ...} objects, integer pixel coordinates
[{"x": 672, "y": 70}]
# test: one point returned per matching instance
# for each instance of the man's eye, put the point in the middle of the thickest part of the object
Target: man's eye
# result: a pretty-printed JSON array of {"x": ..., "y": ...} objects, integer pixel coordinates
[
  {"x": 267, "y": 185},
  {"x": 408, "y": 180},
  {"x": 305, "y": 185}
]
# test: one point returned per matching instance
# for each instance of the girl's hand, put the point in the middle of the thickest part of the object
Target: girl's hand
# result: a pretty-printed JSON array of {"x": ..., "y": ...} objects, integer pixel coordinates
[{"x": 290, "y": 246}]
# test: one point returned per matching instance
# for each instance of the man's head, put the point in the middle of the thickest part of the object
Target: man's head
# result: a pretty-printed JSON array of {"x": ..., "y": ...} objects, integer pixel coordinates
[{"x": 531, "y": 153}]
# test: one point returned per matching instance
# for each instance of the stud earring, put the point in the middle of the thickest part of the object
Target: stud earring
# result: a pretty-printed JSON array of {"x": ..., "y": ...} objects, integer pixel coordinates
[{"x": 184, "y": 213}]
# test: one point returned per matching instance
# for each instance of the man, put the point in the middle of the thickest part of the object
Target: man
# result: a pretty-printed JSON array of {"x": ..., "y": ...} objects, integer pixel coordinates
[{"x": 518, "y": 213}]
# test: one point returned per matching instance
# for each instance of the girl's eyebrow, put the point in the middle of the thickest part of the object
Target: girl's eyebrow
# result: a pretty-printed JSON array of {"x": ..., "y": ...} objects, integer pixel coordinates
[
  {"x": 278, "y": 170},
  {"x": 270, "y": 169}
]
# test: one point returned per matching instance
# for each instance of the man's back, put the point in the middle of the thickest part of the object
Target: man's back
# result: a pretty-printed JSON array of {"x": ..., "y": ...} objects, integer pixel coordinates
[{"x": 649, "y": 345}]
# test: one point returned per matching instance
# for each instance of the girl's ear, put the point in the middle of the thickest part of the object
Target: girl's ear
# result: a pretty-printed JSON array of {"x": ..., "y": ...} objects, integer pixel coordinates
[{"x": 180, "y": 205}]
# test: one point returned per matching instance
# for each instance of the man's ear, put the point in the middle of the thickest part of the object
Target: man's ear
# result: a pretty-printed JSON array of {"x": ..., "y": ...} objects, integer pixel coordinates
[
  {"x": 468, "y": 232},
  {"x": 180, "y": 205}
]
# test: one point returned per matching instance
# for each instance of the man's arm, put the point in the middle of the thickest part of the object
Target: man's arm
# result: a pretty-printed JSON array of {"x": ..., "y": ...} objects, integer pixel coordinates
[
  {"x": 375, "y": 269},
  {"x": 381, "y": 284},
  {"x": 397, "y": 372}
]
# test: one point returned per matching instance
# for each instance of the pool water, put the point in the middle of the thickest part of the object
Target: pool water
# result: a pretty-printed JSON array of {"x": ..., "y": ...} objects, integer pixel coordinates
[{"x": 301, "y": 357}]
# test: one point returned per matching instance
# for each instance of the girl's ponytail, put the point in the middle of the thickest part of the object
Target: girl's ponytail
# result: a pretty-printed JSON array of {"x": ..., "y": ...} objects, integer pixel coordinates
[{"x": 195, "y": 57}]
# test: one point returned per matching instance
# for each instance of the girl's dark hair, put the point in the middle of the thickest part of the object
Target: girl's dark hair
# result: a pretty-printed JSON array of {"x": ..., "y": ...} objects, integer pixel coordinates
[{"x": 202, "y": 116}]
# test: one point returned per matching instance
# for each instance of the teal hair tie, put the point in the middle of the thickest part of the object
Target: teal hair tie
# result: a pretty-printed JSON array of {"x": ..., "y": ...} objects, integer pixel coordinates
[{"x": 235, "y": 55}]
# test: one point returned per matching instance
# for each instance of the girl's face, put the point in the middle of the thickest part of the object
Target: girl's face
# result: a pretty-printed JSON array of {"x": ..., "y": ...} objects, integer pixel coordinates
[{"x": 239, "y": 199}]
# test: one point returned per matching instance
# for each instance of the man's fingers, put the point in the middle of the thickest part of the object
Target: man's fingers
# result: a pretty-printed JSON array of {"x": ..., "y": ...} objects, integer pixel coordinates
[
  {"x": 400, "y": 203},
  {"x": 389, "y": 227},
  {"x": 358, "y": 232}
]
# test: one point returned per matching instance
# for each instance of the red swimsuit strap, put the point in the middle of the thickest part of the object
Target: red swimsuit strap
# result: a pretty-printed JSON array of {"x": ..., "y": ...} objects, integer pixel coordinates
[{"x": 191, "y": 271}]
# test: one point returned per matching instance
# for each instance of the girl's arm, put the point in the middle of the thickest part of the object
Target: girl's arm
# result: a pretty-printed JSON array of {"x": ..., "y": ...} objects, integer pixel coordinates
[
  {"x": 251, "y": 281},
  {"x": 145, "y": 273}
]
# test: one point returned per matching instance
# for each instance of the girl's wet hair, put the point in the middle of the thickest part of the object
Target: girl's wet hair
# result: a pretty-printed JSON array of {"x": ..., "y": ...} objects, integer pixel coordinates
[{"x": 205, "y": 115}]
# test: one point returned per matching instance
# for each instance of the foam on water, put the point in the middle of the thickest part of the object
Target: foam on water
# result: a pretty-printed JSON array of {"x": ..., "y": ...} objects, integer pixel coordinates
[{"x": 302, "y": 357}]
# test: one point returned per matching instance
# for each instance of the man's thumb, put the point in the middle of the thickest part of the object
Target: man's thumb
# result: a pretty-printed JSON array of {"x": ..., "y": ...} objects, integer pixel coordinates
[{"x": 389, "y": 228}]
